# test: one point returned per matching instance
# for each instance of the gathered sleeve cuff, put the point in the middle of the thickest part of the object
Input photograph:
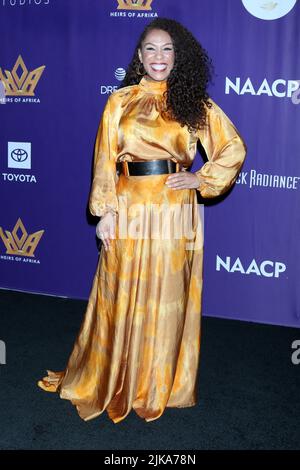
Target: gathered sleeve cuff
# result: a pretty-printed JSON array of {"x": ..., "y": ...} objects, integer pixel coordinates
[
  {"x": 103, "y": 197},
  {"x": 225, "y": 150}
]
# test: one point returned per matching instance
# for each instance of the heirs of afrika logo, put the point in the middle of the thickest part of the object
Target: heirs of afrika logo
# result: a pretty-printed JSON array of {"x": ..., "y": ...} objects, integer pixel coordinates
[{"x": 134, "y": 9}]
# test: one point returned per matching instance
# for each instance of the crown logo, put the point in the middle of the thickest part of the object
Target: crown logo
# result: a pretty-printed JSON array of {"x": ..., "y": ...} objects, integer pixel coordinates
[
  {"x": 24, "y": 245},
  {"x": 134, "y": 5},
  {"x": 20, "y": 82}
]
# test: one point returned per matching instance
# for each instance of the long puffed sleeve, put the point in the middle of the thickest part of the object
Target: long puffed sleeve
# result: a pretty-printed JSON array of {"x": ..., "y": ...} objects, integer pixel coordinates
[
  {"x": 225, "y": 150},
  {"x": 103, "y": 196}
]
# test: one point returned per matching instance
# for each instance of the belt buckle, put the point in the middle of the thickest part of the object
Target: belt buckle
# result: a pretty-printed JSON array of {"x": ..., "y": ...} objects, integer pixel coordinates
[
  {"x": 177, "y": 167},
  {"x": 127, "y": 172},
  {"x": 125, "y": 168}
]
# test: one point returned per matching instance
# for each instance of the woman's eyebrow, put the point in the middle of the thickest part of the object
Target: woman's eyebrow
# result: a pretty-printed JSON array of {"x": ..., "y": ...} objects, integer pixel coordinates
[{"x": 167, "y": 43}]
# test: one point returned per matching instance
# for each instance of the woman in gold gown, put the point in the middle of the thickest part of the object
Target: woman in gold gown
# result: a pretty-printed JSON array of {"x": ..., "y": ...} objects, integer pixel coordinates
[{"x": 139, "y": 343}]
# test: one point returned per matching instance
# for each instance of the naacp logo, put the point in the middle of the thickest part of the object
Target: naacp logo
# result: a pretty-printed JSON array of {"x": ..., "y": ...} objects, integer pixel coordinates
[
  {"x": 266, "y": 268},
  {"x": 269, "y": 10},
  {"x": 20, "y": 82},
  {"x": 280, "y": 87},
  {"x": 25, "y": 244},
  {"x": 134, "y": 5}
]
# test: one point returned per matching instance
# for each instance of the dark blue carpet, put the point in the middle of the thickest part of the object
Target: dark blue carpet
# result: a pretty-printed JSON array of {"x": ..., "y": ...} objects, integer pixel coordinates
[{"x": 248, "y": 387}]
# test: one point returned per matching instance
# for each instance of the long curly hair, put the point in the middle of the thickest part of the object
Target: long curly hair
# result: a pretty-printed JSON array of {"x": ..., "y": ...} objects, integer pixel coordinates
[{"x": 186, "y": 94}]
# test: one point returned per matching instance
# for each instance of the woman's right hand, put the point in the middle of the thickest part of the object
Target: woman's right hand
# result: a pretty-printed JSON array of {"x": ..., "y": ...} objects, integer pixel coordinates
[{"x": 106, "y": 228}]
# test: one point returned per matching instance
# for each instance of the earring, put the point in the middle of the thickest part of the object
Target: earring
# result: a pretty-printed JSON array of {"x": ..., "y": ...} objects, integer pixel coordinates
[{"x": 138, "y": 70}]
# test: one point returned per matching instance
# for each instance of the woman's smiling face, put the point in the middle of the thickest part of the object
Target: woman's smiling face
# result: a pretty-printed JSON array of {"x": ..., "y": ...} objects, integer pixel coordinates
[{"x": 157, "y": 54}]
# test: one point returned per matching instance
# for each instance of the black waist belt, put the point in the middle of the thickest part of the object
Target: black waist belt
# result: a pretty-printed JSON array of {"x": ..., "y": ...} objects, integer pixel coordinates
[{"x": 151, "y": 167}]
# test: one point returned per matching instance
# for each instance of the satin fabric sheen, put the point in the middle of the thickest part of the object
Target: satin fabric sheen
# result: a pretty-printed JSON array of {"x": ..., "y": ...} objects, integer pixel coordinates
[{"x": 139, "y": 343}]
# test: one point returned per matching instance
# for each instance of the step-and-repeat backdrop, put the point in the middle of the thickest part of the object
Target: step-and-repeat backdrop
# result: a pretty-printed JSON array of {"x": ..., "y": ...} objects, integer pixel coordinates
[{"x": 60, "y": 60}]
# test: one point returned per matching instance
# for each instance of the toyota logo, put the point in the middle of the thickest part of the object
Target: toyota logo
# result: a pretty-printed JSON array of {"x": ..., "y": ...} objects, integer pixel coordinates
[{"x": 19, "y": 155}]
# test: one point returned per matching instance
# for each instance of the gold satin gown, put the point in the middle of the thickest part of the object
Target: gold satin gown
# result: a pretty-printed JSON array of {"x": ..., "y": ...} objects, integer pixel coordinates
[{"x": 139, "y": 343}]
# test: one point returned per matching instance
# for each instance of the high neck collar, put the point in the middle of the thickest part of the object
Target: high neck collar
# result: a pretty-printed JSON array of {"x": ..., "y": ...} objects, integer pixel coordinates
[{"x": 153, "y": 85}]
